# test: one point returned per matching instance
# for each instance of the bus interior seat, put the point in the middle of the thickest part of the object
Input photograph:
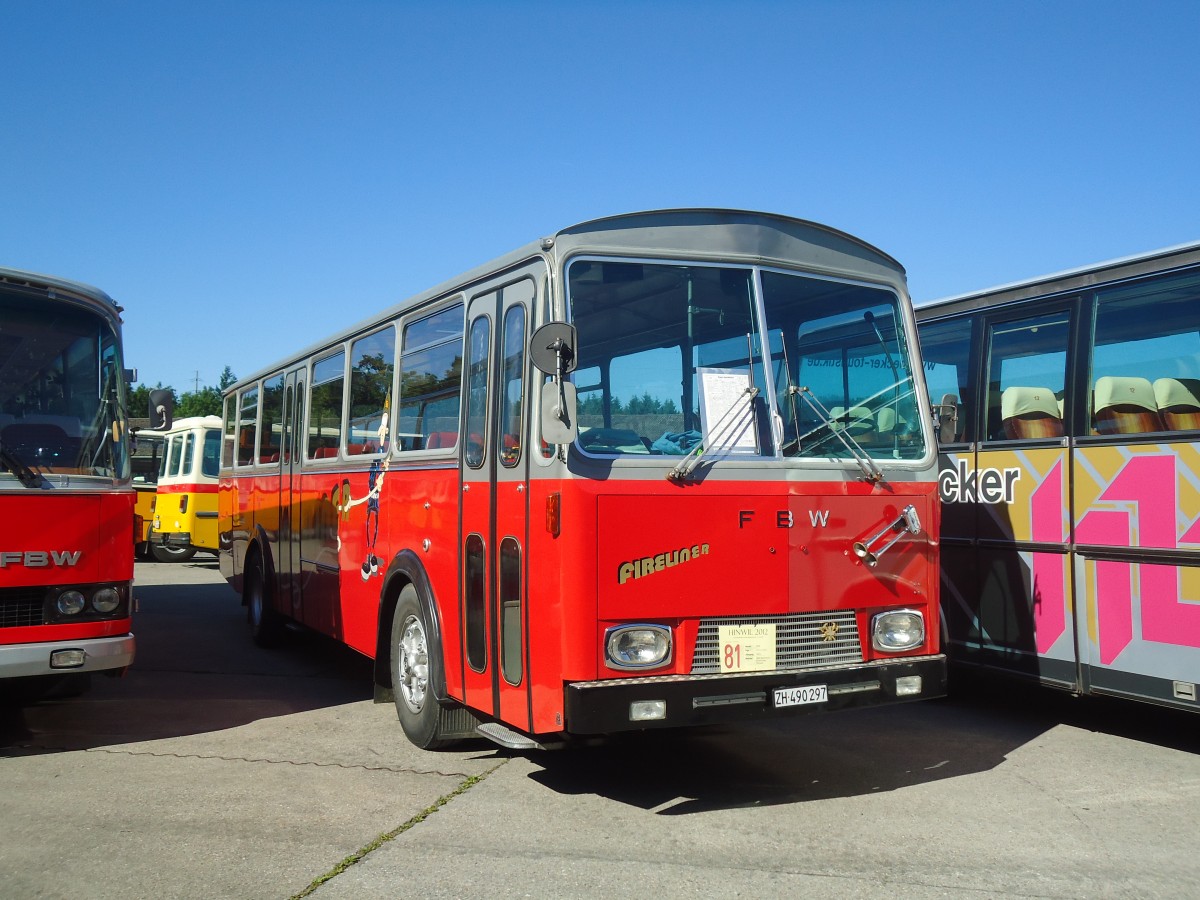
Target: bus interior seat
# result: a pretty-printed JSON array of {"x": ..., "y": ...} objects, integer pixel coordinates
[
  {"x": 891, "y": 426},
  {"x": 612, "y": 440},
  {"x": 69, "y": 424},
  {"x": 440, "y": 439},
  {"x": 1124, "y": 405},
  {"x": 325, "y": 453},
  {"x": 857, "y": 421},
  {"x": 1030, "y": 412},
  {"x": 1178, "y": 401},
  {"x": 22, "y": 434}
]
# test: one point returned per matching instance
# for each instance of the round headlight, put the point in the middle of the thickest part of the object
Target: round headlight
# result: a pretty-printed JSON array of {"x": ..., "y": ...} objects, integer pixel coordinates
[
  {"x": 70, "y": 603},
  {"x": 638, "y": 646},
  {"x": 897, "y": 631},
  {"x": 106, "y": 600}
]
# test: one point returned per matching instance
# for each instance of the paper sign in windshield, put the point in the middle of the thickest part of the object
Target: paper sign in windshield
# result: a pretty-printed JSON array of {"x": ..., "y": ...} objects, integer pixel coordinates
[{"x": 726, "y": 410}]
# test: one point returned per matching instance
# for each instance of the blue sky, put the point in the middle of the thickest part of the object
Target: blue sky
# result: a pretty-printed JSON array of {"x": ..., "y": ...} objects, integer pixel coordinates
[{"x": 248, "y": 177}]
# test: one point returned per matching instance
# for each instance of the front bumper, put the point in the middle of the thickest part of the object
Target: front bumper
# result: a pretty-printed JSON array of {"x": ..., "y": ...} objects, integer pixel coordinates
[
  {"x": 100, "y": 654},
  {"x": 601, "y": 707},
  {"x": 176, "y": 540}
]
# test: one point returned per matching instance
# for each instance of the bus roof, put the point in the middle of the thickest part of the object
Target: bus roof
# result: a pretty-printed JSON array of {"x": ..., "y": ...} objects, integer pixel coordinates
[
  {"x": 54, "y": 286},
  {"x": 1122, "y": 268},
  {"x": 756, "y": 238}
]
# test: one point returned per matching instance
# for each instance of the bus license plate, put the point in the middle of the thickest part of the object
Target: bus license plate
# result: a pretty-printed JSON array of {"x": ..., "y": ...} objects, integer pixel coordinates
[{"x": 799, "y": 696}]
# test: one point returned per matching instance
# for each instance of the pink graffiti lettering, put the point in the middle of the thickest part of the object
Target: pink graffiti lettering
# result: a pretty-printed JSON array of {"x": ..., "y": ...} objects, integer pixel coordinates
[
  {"x": 1148, "y": 483},
  {"x": 1049, "y": 569}
]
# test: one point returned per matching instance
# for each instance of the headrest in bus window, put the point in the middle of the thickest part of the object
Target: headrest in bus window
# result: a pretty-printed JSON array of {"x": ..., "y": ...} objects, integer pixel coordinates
[
  {"x": 887, "y": 421},
  {"x": 1178, "y": 402},
  {"x": 1030, "y": 412},
  {"x": 1124, "y": 405},
  {"x": 857, "y": 420},
  {"x": 439, "y": 439},
  {"x": 69, "y": 424}
]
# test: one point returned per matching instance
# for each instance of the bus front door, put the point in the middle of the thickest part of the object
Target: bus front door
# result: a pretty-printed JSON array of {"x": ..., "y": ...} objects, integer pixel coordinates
[{"x": 495, "y": 477}]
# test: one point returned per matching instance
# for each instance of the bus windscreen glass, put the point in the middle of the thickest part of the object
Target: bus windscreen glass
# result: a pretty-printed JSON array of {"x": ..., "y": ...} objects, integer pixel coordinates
[{"x": 62, "y": 391}]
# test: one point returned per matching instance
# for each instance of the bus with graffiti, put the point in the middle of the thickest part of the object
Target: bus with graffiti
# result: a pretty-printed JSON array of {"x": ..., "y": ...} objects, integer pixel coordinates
[
  {"x": 1069, "y": 422},
  {"x": 66, "y": 504},
  {"x": 660, "y": 469}
]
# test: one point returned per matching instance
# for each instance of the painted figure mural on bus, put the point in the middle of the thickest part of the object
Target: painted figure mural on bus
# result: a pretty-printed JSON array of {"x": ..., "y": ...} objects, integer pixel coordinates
[{"x": 375, "y": 477}]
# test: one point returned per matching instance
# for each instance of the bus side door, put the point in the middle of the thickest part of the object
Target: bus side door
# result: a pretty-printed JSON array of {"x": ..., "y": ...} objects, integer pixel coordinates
[
  {"x": 1020, "y": 490},
  {"x": 291, "y": 498},
  {"x": 495, "y": 478}
]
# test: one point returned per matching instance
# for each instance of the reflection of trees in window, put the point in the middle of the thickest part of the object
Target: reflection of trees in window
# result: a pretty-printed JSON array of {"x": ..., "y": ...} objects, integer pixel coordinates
[
  {"x": 325, "y": 406},
  {"x": 430, "y": 377},
  {"x": 272, "y": 419},
  {"x": 637, "y": 406},
  {"x": 370, "y": 386}
]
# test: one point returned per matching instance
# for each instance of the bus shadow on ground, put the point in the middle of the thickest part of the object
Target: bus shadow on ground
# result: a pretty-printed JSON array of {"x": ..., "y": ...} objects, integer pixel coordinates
[
  {"x": 843, "y": 754},
  {"x": 196, "y": 671}
]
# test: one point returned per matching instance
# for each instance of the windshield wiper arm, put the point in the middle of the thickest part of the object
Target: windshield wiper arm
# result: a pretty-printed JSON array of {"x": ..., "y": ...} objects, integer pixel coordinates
[
  {"x": 722, "y": 430},
  {"x": 24, "y": 473},
  {"x": 870, "y": 470}
]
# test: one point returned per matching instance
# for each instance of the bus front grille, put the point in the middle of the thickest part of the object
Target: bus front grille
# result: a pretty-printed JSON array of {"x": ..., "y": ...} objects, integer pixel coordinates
[
  {"x": 21, "y": 607},
  {"x": 802, "y": 640}
]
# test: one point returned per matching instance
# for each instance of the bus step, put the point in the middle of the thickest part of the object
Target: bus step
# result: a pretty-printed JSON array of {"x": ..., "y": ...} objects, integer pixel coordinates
[{"x": 506, "y": 737}]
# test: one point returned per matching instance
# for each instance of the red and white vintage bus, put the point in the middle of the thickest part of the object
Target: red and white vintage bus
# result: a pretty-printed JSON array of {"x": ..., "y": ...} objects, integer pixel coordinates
[
  {"x": 66, "y": 505},
  {"x": 659, "y": 469}
]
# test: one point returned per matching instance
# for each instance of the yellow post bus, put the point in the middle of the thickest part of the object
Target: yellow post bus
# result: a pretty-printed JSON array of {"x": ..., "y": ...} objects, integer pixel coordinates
[{"x": 185, "y": 509}]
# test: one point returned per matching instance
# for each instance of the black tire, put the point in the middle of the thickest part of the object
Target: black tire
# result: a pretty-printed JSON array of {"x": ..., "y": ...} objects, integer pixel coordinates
[
  {"x": 163, "y": 553},
  {"x": 421, "y": 716},
  {"x": 266, "y": 625}
]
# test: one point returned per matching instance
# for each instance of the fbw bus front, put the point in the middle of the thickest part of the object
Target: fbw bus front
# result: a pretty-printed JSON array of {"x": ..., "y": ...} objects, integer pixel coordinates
[
  {"x": 66, "y": 505},
  {"x": 660, "y": 469}
]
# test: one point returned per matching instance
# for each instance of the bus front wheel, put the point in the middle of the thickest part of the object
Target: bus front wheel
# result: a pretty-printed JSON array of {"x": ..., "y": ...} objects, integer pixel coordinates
[{"x": 421, "y": 715}]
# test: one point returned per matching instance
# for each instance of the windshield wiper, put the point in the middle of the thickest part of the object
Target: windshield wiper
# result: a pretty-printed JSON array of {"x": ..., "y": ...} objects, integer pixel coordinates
[
  {"x": 721, "y": 432},
  {"x": 24, "y": 473},
  {"x": 870, "y": 470}
]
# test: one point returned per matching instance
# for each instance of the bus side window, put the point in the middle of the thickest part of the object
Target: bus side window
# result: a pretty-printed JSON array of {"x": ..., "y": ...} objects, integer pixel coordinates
[
  {"x": 272, "y": 420},
  {"x": 1027, "y": 373},
  {"x": 946, "y": 349},
  {"x": 325, "y": 409},
  {"x": 247, "y": 425},
  {"x": 1144, "y": 374},
  {"x": 426, "y": 411},
  {"x": 371, "y": 367}
]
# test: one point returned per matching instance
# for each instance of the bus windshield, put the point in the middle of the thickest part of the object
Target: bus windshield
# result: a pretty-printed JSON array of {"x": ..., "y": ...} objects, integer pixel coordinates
[
  {"x": 676, "y": 358},
  {"x": 61, "y": 391}
]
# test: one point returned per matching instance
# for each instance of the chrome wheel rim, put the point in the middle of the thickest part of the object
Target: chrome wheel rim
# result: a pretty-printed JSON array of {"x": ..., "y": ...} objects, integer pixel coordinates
[{"x": 412, "y": 665}]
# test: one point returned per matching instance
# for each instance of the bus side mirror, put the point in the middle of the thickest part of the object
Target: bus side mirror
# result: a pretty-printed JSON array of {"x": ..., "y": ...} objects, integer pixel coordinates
[
  {"x": 162, "y": 408},
  {"x": 946, "y": 414},
  {"x": 553, "y": 349}
]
